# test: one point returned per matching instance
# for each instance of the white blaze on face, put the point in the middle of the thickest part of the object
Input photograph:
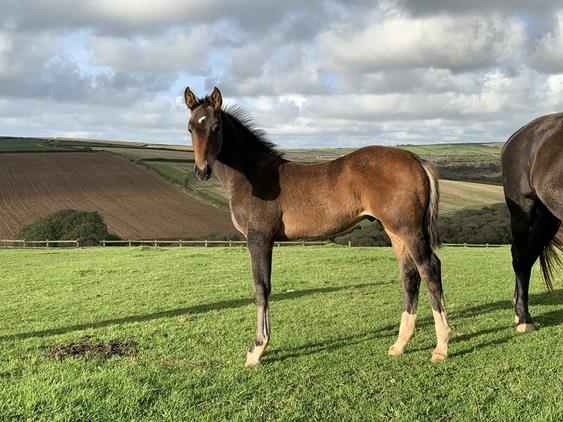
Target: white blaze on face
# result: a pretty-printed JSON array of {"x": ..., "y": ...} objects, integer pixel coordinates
[{"x": 201, "y": 119}]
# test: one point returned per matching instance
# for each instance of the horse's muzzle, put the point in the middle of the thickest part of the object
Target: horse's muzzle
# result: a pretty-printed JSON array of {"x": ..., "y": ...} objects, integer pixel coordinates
[{"x": 204, "y": 174}]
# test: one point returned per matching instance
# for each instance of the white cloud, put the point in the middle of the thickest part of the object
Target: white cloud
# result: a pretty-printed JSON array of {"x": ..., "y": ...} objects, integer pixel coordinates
[
  {"x": 166, "y": 53},
  {"x": 548, "y": 51},
  {"x": 457, "y": 43}
]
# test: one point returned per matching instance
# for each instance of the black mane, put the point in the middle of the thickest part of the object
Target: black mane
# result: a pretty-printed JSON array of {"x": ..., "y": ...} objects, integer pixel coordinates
[{"x": 245, "y": 124}]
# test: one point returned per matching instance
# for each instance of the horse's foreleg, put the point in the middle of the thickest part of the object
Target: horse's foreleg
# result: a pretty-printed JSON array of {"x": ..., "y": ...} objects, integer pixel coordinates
[
  {"x": 411, "y": 284},
  {"x": 261, "y": 256}
]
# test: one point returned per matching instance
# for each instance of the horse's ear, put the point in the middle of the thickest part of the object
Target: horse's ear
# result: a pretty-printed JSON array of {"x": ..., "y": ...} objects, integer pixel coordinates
[
  {"x": 216, "y": 99},
  {"x": 191, "y": 100}
]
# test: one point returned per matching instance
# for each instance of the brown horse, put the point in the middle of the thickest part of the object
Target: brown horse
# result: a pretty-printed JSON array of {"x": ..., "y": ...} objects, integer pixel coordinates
[
  {"x": 272, "y": 199},
  {"x": 532, "y": 174}
]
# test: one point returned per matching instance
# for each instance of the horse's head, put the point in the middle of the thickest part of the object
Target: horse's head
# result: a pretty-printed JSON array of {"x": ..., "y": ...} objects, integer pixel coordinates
[{"x": 205, "y": 127}]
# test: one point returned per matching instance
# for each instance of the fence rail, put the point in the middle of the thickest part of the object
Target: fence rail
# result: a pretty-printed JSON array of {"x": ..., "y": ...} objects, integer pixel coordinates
[
  {"x": 16, "y": 243},
  {"x": 205, "y": 243}
]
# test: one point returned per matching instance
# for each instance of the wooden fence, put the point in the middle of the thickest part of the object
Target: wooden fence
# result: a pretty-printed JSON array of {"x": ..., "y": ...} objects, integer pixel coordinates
[
  {"x": 183, "y": 243},
  {"x": 7, "y": 243}
]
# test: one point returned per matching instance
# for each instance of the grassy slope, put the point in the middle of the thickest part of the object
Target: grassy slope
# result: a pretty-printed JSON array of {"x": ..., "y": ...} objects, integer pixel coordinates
[
  {"x": 455, "y": 195},
  {"x": 334, "y": 313}
]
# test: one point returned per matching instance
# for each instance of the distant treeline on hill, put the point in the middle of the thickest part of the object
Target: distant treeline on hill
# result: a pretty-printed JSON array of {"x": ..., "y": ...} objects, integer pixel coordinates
[
  {"x": 481, "y": 172},
  {"x": 478, "y": 226}
]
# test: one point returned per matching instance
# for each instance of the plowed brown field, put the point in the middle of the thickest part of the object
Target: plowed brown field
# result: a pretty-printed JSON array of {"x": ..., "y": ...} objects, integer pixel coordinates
[{"x": 135, "y": 204}]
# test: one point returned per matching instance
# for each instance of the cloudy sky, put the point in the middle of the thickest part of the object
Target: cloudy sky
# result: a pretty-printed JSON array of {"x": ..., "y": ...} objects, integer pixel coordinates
[{"x": 313, "y": 73}]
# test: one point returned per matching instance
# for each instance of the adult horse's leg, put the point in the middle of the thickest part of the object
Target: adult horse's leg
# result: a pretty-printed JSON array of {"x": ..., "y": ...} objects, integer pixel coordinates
[
  {"x": 520, "y": 226},
  {"x": 532, "y": 229},
  {"x": 411, "y": 284},
  {"x": 260, "y": 248},
  {"x": 429, "y": 268}
]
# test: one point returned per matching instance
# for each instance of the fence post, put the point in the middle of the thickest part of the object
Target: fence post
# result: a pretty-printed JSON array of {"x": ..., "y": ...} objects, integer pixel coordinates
[
  {"x": 129, "y": 242},
  {"x": 47, "y": 241},
  {"x": 155, "y": 243},
  {"x": 230, "y": 243},
  {"x": 104, "y": 243},
  {"x": 77, "y": 243},
  {"x": 180, "y": 244},
  {"x": 349, "y": 243},
  {"x": 206, "y": 243}
]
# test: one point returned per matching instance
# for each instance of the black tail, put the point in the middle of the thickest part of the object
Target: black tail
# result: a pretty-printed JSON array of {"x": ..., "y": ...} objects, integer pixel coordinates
[{"x": 549, "y": 260}]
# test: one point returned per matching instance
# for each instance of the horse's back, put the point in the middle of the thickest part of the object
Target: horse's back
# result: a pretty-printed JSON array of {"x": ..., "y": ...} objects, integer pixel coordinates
[
  {"x": 531, "y": 154},
  {"x": 372, "y": 181}
]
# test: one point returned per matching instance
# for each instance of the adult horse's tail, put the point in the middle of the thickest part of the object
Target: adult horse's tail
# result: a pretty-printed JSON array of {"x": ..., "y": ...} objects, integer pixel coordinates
[
  {"x": 431, "y": 213},
  {"x": 550, "y": 260}
]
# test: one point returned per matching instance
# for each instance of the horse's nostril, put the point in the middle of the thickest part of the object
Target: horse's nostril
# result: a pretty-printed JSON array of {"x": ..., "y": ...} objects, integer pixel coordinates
[{"x": 204, "y": 174}]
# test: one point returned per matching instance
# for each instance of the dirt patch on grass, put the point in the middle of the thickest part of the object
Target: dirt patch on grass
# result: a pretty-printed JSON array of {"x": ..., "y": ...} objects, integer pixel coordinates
[{"x": 86, "y": 348}]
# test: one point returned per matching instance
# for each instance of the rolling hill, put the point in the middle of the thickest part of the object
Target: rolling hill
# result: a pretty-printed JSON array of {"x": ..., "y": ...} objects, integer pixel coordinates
[
  {"x": 135, "y": 203},
  {"x": 191, "y": 209}
]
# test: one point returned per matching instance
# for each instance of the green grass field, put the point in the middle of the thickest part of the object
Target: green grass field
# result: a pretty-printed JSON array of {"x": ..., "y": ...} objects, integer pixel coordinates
[{"x": 335, "y": 311}]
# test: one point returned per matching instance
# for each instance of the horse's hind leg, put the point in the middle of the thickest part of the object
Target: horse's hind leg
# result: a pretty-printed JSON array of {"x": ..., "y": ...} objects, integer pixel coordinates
[
  {"x": 429, "y": 268},
  {"x": 411, "y": 285},
  {"x": 531, "y": 230},
  {"x": 261, "y": 255}
]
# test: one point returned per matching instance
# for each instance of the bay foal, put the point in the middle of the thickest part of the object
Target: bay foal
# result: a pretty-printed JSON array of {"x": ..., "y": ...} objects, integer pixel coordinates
[{"x": 272, "y": 198}]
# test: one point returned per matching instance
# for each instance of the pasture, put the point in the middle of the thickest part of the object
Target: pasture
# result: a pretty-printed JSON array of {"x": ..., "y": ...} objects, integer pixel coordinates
[{"x": 183, "y": 318}]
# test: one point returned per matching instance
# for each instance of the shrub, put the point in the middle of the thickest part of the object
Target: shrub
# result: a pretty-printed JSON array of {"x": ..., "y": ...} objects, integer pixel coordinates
[{"x": 86, "y": 227}]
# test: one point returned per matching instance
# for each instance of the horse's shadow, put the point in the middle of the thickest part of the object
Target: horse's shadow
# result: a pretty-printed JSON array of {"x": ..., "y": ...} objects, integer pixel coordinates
[
  {"x": 552, "y": 318},
  {"x": 547, "y": 319},
  {"x": 190, "y": 310}
]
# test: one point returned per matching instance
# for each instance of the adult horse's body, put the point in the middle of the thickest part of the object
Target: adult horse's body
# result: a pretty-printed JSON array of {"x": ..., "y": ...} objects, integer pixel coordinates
[
  {"x": 532, "y": 173},
  {"x": 272, "y": 198}
]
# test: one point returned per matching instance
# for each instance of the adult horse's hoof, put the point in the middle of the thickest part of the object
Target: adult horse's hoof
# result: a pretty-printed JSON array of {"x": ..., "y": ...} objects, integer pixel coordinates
[
  {"x": 438, "y": 357},
  {"x": 525, "y": 328}
]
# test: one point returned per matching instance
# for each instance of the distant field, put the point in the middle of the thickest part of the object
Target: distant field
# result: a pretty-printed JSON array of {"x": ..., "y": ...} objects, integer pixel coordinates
[
  {"x": 134, "y": 203},
  {"x": 460, "y": 162},
  {"x": 8, "y": 144},
  {"x": 455, "y": 150},
  {"x": 186, "y": 317},
  {"x": 455, "y": 195}
]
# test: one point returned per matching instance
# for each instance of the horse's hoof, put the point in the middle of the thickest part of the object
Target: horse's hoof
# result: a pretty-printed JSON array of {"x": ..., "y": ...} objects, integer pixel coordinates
[
  {"x": 395, "y": 350},
  {"x": 252, "y": 360},
  {"x": 438, "y": 357},
  {"x": 525, "y": 328},
  {"x": 516, "y": 319},
  {"x": 251, "y": 363}
]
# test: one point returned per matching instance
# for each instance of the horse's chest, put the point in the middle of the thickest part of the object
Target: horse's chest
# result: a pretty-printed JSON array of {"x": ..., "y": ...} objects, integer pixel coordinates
[{"x": 239, "y": 220}]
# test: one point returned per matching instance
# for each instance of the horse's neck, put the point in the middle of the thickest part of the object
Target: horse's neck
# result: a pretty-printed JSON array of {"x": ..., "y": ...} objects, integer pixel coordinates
[{"x": 239, "y": 162}]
